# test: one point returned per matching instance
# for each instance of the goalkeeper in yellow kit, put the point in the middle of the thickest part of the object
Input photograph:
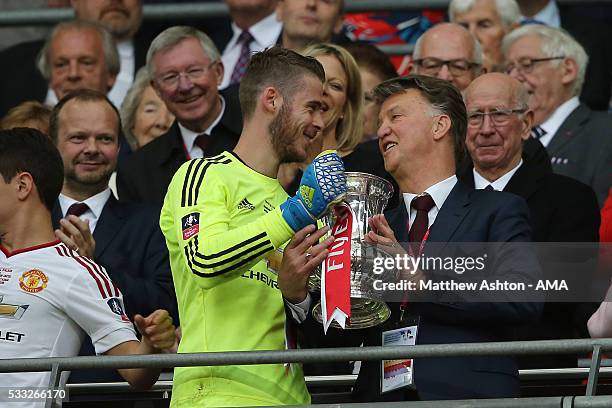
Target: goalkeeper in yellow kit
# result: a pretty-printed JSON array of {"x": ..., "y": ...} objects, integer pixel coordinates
[{"x": 224, "y": 219}]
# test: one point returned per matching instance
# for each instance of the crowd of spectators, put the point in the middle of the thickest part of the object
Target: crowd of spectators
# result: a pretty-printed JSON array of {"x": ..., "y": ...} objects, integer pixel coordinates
[{"x": 520, "y": 92}]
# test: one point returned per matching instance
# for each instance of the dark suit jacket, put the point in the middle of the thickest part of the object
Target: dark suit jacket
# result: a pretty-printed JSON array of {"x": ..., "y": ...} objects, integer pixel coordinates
[
  {"x": 145, "y": 176},
  {"x": 582, "y": 149},
  {"x": 21, "y": 81},
  {"x": 561, "y": 210},
  {"x": 594, "y": 36},
  {"x": 466, "y": 216}
]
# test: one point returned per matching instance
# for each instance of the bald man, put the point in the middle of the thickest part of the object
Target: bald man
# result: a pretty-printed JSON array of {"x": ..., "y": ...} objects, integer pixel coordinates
[
  {"x": 448, "y": 51},
  {"x": 561, "y": 209}
]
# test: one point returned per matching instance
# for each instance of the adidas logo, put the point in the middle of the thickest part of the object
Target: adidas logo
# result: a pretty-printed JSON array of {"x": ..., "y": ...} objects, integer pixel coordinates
[
  {"x": 268, "y": 207},
  {"x": 245, "y": 205}
]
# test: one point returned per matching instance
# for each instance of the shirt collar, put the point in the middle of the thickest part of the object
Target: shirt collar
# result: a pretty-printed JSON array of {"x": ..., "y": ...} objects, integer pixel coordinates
[
  {"x": 554, "y": 122},
  {"x": 439, "y": 192},
  {"x": 264, "y": 32},
  {"x": 95, "y": 203},
  {"x": 549, "y": 15},
  {"x": 499, "y": 184},
  {"x": 189, "y": 136}
]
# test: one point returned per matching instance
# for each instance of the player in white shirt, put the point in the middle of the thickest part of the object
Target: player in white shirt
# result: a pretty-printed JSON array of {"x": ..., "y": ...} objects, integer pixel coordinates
[{"x": 50, "y": 296}]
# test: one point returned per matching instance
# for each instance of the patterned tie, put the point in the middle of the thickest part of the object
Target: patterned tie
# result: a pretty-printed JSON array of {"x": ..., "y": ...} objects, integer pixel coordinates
[
  {"x": 77, "y": 209},
  {"x": 203, "y": 141},
  {"x": 537, "y": 132},
  {"x": 244, "y": 41},
  {"x": 422, "y": 204}
]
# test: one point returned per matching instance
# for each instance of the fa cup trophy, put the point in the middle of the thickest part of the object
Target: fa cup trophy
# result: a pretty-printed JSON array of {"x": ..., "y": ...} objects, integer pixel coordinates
[{"x": 367, "y": 196}]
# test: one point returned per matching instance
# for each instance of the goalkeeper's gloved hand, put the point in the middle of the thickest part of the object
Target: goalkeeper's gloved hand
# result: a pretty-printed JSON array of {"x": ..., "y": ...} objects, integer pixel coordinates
[{"x": 323, "y": 184}]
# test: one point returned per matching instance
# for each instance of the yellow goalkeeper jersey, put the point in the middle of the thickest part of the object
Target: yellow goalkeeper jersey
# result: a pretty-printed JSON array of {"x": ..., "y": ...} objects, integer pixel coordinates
[{"x": 223, "y": 227}]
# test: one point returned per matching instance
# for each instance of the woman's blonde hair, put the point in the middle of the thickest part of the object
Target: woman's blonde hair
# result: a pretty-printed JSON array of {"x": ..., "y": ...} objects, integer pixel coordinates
[{"x": 350, "y": 128}]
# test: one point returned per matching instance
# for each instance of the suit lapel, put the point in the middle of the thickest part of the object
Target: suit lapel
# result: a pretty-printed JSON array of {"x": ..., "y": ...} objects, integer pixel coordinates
[
  {"x": 525, "y": 181},
  {"x": 570, "y": 127},
  {"x": 109, "y": 224},
  {"x": 397, "y": 219},
  {"x": 453, "y": 211}
]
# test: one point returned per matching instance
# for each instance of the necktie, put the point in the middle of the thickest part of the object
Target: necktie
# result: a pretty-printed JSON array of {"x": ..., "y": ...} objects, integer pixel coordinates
[
  {"x": 203, "y": 141},
  {"x": 422, "y": 204},
  {"x": 77, "y": 209},
  {"x": 531, "y": 20},
  {"x": 489, "y": 188},
  {"x": 537, "y": 132},
  {"x": 245, "y": 41}
]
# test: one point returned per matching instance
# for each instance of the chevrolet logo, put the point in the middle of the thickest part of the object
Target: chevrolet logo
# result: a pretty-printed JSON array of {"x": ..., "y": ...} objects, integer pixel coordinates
[{"x": 11, "y": 311}]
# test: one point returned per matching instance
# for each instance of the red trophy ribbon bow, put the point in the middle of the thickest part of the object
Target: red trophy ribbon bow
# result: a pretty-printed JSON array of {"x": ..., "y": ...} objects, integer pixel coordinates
[{"x": 336, "y": 271}]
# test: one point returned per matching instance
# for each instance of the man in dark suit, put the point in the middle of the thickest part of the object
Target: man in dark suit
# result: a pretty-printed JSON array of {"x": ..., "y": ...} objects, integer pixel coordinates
[
  {"x": 22, "y": 81},
  {"x": 186, "y": 69},
  {"x": 124, "y": 238},
  {"x": 561, "y": 209},
  {"x": 424, "y": 119},
  {"x": 551, "y": 64},
  {"x": 593, "y": 35}
]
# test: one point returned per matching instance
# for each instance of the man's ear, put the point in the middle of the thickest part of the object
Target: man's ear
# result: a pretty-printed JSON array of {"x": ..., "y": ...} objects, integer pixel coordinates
[
  {"x": 271, "y": 100},
  {"x": 24, "y": 184},
  {"x": 440, "y": 127},
  {"x": 110, "y": 82},
  {"x": 570, "y": 71},
  {"x": 527, "y": 124},
  {"x": 219, "y": 71}
]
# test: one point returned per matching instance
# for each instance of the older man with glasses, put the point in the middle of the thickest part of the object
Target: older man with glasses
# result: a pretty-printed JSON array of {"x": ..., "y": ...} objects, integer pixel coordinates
[
  {"x": 448, "y": 51},
  {"x": 186, "y": 70},
  {"x": 551, "y": 64},
  {"x": 561, "y": 208}
]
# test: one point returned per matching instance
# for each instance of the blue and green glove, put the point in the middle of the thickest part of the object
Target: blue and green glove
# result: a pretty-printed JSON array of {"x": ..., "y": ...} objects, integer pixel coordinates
[{"x": 322, "y": 186}]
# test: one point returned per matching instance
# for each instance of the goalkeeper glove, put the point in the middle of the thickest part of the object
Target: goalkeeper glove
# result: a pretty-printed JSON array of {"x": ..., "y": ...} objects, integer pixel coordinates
[{"x": 323, "y": 184}]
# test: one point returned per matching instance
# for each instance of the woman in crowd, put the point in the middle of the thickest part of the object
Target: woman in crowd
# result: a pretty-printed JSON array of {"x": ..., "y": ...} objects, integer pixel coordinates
[{"x": 143, "y": 114}]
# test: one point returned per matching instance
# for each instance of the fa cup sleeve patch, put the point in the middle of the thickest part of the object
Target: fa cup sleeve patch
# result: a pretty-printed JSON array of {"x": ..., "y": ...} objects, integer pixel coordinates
[{"x": 190, "y": 225}]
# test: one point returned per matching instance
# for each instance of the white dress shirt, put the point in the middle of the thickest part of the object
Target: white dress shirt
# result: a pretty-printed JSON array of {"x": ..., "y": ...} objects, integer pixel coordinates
[
  {"x": 265, "y": 33},
  {"x": 189, "y": 136},
  {"x": 439, "y": 193},
  {"x": 122, "y": 83},
  {"x": 554, "y": 122},
  {"x": 499, "y": 184},
  {"x": 95, "y": 203},
  {"x": 549, "y": 15}
]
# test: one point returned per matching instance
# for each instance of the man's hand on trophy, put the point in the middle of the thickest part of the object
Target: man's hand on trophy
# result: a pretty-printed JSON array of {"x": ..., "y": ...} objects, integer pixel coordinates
[
  {"x": 301, "y": 257},
  {"x": 322, "y": 186},
  {"x": 382, "y": 236}
]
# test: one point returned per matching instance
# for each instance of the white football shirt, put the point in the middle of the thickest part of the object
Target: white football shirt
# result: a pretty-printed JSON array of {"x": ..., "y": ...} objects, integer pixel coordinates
[{"x": 50, "y": 296}]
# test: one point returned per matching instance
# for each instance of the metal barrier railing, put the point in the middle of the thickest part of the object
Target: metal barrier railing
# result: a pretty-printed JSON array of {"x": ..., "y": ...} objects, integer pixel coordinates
[
  {"x": 207, "y": 10},
  {"x": 58, "y": 364}
]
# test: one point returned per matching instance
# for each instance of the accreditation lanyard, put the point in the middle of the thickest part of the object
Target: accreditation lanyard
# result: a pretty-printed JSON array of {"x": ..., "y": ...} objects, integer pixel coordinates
[{"x": 412, "y": 254}]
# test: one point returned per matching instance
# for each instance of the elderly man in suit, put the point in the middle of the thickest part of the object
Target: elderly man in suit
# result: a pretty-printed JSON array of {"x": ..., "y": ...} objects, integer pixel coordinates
[
  {"x": 124, "y": 238},
  {"x": 186, "y": 69},
  {"x": 424, "y": 119},
  {"x": 552, "y": 65},
  {"x": 21, "y": 80},
  {"x": 561, "y": 209}
]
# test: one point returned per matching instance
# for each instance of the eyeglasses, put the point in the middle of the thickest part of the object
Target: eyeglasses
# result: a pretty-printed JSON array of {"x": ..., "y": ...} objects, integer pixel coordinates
[
  {"x": 169, "y": 80},
  {"x": 499, "y": 117},
  {"x": 525, "y": 65},
  {"x": 457, "y": 67}
]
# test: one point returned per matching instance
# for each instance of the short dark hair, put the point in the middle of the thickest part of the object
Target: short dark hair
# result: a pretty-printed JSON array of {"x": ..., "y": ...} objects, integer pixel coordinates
[
  {"x": 370, "y": 57},
  {"x": 277, "y": 67},
  {"x": 81, "y": 95},
  {"x": 30, "y": 150},
  {"x": 441, "y": 95}
]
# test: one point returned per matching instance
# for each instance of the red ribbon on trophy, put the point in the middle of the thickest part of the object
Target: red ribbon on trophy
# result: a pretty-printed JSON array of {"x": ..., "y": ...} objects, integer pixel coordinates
[{"x": 336, "y": 271}]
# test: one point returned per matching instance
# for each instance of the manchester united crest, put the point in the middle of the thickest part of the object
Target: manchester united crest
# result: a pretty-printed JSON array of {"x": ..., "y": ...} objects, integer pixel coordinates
[{"x": 33, "y": 281}]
